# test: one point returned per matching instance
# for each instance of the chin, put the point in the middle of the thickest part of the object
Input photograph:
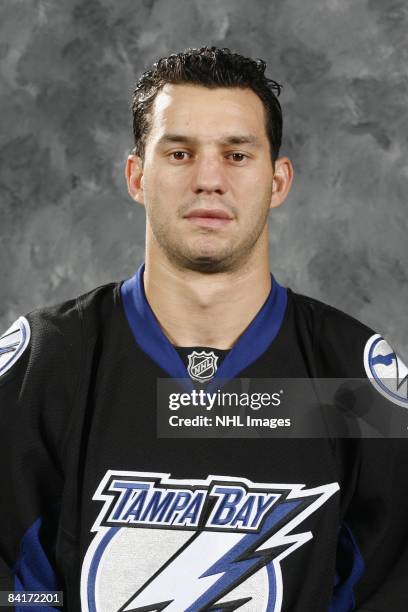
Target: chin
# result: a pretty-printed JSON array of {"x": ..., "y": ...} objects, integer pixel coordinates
[
  {"x": 205, "y": 260},
  {"x": 207, "y": 268},
  {"x": 209, "y": 263}
]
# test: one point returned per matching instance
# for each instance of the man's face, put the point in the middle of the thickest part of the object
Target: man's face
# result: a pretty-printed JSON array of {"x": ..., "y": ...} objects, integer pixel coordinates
[{"x": 207, "y": 175}]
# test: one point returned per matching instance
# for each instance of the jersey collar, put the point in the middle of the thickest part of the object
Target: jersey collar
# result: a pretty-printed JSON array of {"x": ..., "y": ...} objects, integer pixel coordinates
[{"x": 249, "y": 347}]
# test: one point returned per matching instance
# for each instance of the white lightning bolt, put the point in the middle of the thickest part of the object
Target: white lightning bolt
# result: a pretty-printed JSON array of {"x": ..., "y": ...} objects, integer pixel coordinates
[{"x": 182, "y": 581}]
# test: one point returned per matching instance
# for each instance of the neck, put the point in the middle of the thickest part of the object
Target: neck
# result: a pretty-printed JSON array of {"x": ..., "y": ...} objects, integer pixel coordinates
[{"x": 196, "y": 309}]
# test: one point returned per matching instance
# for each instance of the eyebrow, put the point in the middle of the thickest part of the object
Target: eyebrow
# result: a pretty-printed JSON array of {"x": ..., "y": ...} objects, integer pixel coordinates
[{"x": 247, "y": 139}]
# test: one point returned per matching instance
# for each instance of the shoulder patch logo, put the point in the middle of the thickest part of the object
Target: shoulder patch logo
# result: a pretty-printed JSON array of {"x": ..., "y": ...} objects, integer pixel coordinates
[
  {"x": 386, "y": 370},
  {"x": 13, "y": 343},
  {"x": 202, "y": 366}
]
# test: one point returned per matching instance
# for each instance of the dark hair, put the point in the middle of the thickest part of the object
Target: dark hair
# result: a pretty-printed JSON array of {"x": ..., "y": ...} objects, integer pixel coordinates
[{"x": 210, "y": 67}]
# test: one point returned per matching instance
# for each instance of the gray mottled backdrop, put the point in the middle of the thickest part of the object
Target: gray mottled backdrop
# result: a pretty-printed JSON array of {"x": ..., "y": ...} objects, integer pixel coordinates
[{"x": 67, "y": 223}]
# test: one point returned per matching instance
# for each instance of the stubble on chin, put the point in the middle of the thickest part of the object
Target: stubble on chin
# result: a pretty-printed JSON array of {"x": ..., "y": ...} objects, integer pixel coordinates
[
  {"x": 205, "y": 260},
  {"x": 184, "y": 257}
]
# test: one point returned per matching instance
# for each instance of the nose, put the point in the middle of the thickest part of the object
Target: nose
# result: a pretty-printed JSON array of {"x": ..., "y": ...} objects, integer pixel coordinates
[{"x": 209, "y": 175}]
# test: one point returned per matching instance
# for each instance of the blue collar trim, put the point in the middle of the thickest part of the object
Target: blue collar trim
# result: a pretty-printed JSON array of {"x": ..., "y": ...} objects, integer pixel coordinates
[{"x": 249, "y": 347}]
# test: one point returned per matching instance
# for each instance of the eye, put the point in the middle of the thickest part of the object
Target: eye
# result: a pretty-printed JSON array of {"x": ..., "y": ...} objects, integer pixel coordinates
[
  {"x": 179, "y": 155},
  {"x": 238, "y": 157}
]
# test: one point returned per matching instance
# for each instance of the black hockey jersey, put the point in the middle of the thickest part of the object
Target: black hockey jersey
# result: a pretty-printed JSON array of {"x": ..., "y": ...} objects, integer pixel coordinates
[{"x": 96, "y": 504}]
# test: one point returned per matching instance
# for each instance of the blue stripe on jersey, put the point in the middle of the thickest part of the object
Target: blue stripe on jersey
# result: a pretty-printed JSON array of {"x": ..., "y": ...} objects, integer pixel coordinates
[
  {"x": 33, "y": 570},
  {"x": 250, "y": 346},
  {"x": 351, "y": 560},
  {"x": 146, "y": 329}
]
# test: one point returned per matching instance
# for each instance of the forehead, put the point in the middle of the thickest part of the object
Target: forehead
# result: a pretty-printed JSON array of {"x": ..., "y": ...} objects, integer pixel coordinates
[{"x": 204, "y": 112}]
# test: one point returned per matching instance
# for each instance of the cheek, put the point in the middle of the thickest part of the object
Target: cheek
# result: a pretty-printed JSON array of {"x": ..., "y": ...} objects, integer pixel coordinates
[
  {"x": 253, "y": 181},
  {"x": 253, "y": 193},
  {"x": 160, "y": 184},
  {"x": 152, "y": 186},
  {"x": 160, "y": 198}
]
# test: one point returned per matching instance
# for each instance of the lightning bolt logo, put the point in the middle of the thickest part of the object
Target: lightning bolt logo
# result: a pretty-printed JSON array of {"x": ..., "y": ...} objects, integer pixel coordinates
[
  {"x": 11, "y": 348},
  {"x": 245, "y": 530},
  {"x": 13, "y": 344},
  {"x": 386, "y": 370}
]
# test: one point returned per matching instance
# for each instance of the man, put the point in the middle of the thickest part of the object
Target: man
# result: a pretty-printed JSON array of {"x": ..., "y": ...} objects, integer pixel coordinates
[{"x": 100, "y": 506}]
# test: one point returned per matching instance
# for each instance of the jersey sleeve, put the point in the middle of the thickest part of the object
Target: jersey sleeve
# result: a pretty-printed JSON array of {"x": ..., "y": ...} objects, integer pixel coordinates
[
  {"x": 378, "y": 524},
  {"x": 372, "y": 559},
  {"x": 39, "y": 371}
]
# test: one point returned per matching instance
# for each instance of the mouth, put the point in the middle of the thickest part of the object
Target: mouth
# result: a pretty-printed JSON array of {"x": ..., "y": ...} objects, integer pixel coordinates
[{"x": 209, "y": 217}]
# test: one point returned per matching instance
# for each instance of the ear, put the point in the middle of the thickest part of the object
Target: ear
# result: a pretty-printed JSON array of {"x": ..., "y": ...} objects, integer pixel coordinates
[
  {"x": 134, "y": 178},
  {"x": 282, "y": 181}
]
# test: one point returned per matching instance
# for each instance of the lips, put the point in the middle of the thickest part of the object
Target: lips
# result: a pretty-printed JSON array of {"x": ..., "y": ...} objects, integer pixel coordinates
[
  {"x": 209, "y": 213},
  {"x": 209, "y": 217}
]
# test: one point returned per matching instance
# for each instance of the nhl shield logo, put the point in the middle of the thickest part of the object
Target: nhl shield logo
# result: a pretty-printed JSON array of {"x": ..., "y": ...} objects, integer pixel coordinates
[{"x": 202, "y": 366}]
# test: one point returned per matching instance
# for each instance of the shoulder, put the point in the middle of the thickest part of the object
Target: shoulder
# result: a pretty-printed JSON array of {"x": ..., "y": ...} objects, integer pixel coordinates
[
  {"x": 339, "y": 339},
  {"x": 66, "y": 321},
  {"x": 327, "y": 318},
  {"x": 53, "y": 335},
  {"x": 345, "y": 347}
]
